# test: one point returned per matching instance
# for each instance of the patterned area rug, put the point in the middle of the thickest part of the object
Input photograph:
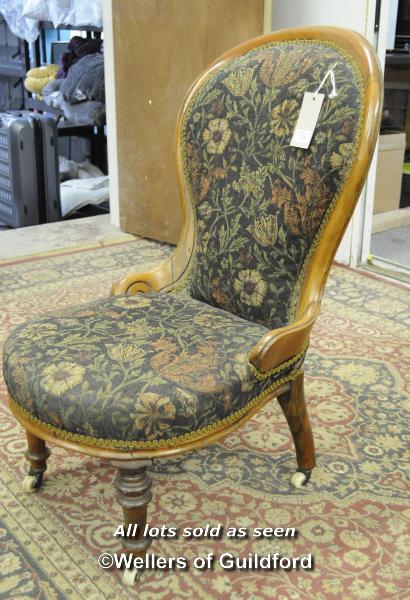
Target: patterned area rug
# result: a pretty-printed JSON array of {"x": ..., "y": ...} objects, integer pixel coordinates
[{"x": 353, "y": 517}]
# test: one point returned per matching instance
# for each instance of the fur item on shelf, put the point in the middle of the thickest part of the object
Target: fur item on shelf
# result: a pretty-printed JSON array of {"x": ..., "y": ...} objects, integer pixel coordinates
[
  {"x": 85, "y": 80},
  {"x": 77, "y": 48},
  {"x": 52, "y": 94},
  {"x": 81, "y": 95},
  {"x": 89, "y": 112}
]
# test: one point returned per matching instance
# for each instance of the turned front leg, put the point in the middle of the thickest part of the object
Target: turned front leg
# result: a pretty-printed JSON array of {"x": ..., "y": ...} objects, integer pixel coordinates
[
  {"x": 37, "y": 454},
  {"x": 133, "y": 485}
]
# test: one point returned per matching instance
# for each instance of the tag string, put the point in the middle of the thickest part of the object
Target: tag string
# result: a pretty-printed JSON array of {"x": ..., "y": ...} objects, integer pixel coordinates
[{"x": 330, "y": 74}]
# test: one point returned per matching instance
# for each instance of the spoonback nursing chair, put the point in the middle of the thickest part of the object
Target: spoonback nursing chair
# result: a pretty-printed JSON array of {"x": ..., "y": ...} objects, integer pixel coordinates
[{"x": 180, "y": 356}]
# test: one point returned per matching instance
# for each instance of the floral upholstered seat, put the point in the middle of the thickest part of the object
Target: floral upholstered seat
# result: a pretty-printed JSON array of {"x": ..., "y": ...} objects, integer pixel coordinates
[{"x": 137, "y": 371}]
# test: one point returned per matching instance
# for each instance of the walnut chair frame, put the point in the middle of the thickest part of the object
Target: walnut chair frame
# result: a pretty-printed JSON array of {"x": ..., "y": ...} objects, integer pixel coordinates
[{"x": 275, "y": 347}]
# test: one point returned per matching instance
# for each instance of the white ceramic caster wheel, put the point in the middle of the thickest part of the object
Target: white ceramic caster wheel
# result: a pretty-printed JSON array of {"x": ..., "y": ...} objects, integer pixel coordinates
[
  {"x": 298, "y": 480},
  {"x": 30, "y": 483},
  {"x": 130, "y": 576}
]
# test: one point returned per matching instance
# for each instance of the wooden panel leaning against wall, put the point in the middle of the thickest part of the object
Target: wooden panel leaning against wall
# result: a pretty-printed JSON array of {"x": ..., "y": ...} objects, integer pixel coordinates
[{"x": 160, "y": 47}]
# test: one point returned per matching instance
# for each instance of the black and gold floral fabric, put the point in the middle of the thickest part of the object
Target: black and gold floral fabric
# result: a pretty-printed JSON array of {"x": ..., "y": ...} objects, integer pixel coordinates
[
  {"x": 137, "y": 371},
  {"x": 154, "y": 369},
  {"x": 260, "y": 203}
]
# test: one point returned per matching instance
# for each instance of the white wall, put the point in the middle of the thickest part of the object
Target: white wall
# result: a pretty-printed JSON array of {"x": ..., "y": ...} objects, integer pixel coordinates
[
  {"x": 341, "y": 13},
  {"x": 391, "y": 23},
  {"x": 109, "y": 70},
  {"x": 352, "y": 14}
]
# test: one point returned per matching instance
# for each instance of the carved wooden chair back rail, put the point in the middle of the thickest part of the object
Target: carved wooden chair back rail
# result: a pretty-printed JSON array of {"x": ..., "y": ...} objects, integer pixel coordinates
[{"x": 225, "y": 326}]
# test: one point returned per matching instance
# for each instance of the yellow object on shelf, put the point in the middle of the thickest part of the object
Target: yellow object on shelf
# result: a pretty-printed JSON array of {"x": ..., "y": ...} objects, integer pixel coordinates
[{"x": 37, "y": 78}]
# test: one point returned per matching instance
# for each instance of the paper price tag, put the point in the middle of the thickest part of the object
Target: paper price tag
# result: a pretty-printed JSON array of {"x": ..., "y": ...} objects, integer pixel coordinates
[{"x": 308, "y": 116}]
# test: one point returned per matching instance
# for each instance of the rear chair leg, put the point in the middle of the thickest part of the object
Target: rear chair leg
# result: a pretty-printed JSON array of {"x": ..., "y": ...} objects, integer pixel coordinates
[
  {"x": 294, "y": 408},
  {"x": 133, "y": 486},
  {"x": 37, "y": 454}
]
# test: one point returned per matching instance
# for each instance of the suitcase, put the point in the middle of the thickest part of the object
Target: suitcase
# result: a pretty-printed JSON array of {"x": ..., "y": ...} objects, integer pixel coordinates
[
  {"x": 46, "y": 152},
  {"x": 18, "y": 172},
  {"x": 29, "y": 179}
]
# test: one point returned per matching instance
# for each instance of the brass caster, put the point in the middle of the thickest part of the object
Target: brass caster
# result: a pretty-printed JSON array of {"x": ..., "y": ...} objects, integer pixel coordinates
[
  {"x": 31, "y": 483},
  {"x": 130, "y": 576},
  {"x": 300, "y": 478}
]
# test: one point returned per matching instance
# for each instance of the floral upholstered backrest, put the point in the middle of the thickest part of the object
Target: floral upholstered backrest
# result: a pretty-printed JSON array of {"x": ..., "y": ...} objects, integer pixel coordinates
[{"x": 260, "y": 204}]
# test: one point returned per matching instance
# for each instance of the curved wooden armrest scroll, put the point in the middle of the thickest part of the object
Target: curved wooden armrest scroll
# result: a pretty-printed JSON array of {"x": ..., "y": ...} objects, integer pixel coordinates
[
  {"x": 160, "y": 278},
  {"x": 278, "y": 345},
  {"x": 164, "y": 277}
]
